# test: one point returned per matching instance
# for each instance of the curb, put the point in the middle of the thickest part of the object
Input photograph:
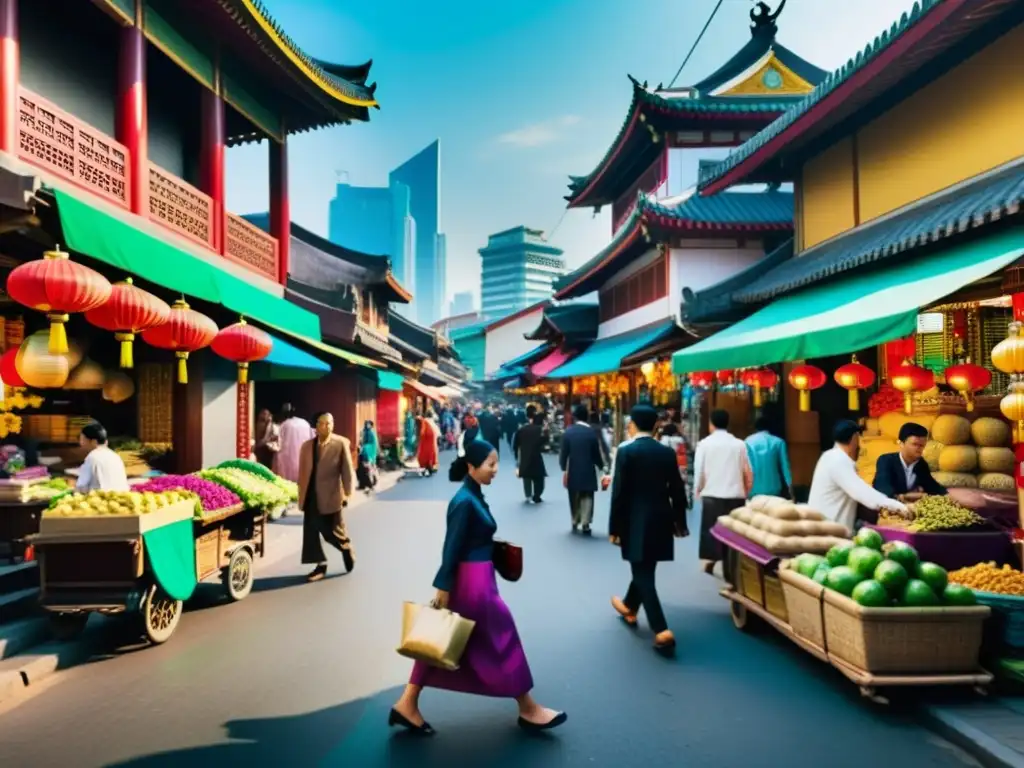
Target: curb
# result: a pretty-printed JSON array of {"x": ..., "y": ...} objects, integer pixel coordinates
[{"x": 987, "y": 750}]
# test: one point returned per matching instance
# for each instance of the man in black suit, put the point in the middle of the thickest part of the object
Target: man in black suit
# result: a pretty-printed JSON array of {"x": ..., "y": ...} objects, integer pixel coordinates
[
  {"x": 648, "y": 510},
  {"x": 528, "y": 446},
  {"x": 490, "y": 427},
  {"x": 904, "y": 475},
  {"x": 579, "y": 459}
]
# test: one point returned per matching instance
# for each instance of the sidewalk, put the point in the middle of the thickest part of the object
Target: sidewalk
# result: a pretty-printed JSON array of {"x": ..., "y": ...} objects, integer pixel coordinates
[{"x": 992, "y": 731}]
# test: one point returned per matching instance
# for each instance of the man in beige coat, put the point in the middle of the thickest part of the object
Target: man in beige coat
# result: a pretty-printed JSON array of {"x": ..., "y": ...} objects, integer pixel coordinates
[{"x": 326, "y": 480}]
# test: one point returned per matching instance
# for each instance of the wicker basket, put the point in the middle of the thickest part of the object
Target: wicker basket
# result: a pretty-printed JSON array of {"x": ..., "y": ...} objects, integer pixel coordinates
[
  {"x": 1007, "y": 618},
  {"x": 803, "y": 605},
  {"x": 903, "y": 640}
]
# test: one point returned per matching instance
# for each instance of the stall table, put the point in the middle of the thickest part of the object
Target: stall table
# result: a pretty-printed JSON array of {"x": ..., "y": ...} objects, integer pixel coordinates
[{"x": 18, "y": 521}]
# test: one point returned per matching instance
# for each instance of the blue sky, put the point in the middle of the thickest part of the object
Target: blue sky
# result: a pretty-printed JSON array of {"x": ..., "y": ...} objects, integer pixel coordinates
[{"x": 521, "y": 94}]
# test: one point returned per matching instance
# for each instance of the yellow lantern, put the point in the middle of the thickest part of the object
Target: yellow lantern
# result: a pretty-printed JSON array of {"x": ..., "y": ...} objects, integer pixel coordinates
[
  {"x": 87, "y": 375},
  {"x": 37, "y": 367},
  {"x": 1012, "y": 407},
  {"x": 118, "y": 387},
  {"x": 1008, "y": 354}
]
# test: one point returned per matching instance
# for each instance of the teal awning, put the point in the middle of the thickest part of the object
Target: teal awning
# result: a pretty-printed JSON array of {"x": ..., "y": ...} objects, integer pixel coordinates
[
  {"x": 525, "y": 359},
  {"x": 107, "y": 238},
  {"x": 389, "y": 381},
  {"x": 853, "y": 313},
  {"x": 288, "y": 363},
  {"x": 606, "y": 355}
]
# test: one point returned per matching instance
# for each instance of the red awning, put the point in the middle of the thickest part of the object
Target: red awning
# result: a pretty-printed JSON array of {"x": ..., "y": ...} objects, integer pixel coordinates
[
  {"x": 424, "y": 390},
  {"x": 549, "y": 363}
]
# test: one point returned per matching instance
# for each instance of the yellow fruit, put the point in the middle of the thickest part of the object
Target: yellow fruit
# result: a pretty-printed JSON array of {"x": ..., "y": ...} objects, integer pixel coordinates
[
  {"x": 951, "y": 430},
  {"x": 999, "y": 460},
  {"x": 956, "y": 479},
  {"x": 958, "y": 458},
  {"x": 990, "y": 433}
]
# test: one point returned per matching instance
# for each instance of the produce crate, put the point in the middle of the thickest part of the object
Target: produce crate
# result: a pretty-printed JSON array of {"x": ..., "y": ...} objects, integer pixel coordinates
[
  {"x": 903, "y": 640},
  {"x": 750, "y": 585},
  {"x": 803, "y": 605},
  {"x": 116, "y": 525},
  {"x": 774, "y": 598},
  {"x": 1007, "y": 623}
]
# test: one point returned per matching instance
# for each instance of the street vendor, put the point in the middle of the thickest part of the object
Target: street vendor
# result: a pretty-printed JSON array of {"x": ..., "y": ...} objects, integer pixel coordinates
[
  {"x": 904, "y": 475},
  {"x": 103, "y": 469},
  {"x": 837, "y": 489}
]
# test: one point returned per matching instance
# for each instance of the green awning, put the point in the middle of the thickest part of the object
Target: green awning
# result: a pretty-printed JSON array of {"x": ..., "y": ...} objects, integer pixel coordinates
[
  {"x": 390, "y": 381},
  {"x": 851, "y": 314},
  {"x": 102, "y": 236},
  {"x": 606, "y": 355},
  {"x": 320, "y": 346},
  {"x": 288, "y": 363}
]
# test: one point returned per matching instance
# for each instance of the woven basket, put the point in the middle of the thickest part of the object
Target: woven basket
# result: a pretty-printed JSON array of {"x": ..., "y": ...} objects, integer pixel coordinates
[
  {"x": 1007, "y": 618},
  {"x": 803, "y": 605},
  {"x": 903, "y": 640}
]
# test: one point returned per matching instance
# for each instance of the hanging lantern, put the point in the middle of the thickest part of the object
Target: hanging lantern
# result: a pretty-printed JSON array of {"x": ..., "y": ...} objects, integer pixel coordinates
[
  {"x": 854, "y": 377},
  {"x": 967, "y": 378},
  {"x": 759, "y": 379},
  {"x": 9, "y": 369},
  {"x": 1012, "y": 407},
  {"x": 57, "y": 286},
  {"x": 1008, "y": 354},
  {"x": 702, "y": 379},
  {"x": 118, "y": 387},
  {"x": 129, "y": 311},
  {"x": 243, "y": 344},
  {"x": 725, "y": 378},
  {"x": 909, "y": 378},
  {"x": 184, "y": 332},
  {"x": 37, "y": 366},
  {"x": 805, "y": 378},
  {"x": 87, "y": 375}
]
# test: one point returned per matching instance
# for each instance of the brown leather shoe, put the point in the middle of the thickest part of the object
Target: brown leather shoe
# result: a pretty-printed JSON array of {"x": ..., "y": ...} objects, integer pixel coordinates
[
  {"x": 317, "y": 573},
  {"x": 665, "y": 643},
  {"x": 623, "y": 610}
]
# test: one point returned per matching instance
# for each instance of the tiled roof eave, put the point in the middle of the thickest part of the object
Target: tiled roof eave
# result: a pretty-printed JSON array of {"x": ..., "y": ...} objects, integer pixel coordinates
[
  {"x": 627, "y": 236},
  {"x": 655, "y": 221}
]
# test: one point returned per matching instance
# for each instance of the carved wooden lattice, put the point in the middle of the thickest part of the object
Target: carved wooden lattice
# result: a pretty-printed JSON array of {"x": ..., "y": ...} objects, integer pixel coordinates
[
  {"x": 59, "y": 143},
  {"x": 180, "y": 206},
  {"x": 155, "y": 402},
  {"x": 251, "y": 246}
]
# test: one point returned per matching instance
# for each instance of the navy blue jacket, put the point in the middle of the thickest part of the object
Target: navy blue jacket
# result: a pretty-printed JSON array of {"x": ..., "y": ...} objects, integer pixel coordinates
[
  {"x": 582, "y": 456},
  {"x": 469, "y": 537},
  {"x": 891, "y": 480}
]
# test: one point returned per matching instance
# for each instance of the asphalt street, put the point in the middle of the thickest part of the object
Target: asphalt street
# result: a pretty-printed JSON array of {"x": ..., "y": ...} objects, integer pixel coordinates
[{"x": 304, "y": 674}]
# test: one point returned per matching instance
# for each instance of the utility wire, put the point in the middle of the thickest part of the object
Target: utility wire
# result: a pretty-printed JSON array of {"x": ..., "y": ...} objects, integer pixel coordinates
[
  {"x": 551, "y": 232},
  {"x": 696, "y": 43}
]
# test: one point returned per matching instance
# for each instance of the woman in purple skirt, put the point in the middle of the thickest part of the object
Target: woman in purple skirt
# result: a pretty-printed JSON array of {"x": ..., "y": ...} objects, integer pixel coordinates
[{"x": 494, "y": 663}]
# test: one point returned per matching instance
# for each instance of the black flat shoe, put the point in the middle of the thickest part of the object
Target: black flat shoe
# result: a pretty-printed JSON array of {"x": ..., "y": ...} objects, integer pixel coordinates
[
  {"x": 397, "y": 718},
  {"x": 554, "y": 722}
]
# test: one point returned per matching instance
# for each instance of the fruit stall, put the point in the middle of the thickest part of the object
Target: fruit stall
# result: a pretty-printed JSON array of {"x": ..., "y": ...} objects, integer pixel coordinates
[
  {"x": 872, "y": 609},
  {"x": 143, "y": 552}
]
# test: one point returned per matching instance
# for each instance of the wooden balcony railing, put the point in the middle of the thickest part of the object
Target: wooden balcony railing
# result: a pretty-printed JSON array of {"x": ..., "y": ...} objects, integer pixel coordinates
[
  {"x": 179, "y": 206},
  {"x": 251, "y": 246},
  {"x": 63, "y": 145}
]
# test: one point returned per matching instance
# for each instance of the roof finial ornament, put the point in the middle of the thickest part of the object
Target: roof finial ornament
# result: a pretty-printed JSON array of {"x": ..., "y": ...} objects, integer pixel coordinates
[{"x": 763, "y": 20}]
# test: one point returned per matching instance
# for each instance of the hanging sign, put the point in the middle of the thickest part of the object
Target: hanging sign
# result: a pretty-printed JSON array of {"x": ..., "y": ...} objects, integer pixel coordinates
[{"x": 243, "y": 447}]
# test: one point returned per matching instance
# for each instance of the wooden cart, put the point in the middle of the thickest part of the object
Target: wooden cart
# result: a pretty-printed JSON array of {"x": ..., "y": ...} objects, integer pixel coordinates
[
  {"x": 753, "y": 589},
  {"x": 110, "y": 573}
]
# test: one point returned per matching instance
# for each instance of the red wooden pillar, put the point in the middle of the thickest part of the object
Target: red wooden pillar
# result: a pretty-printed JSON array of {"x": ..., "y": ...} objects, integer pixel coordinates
[
  {"x": 10, "y": 61},
  {"x": 212, "y": 162},
  {"x": 132, "y": 122},
  {"x": 280, "y": 213}
]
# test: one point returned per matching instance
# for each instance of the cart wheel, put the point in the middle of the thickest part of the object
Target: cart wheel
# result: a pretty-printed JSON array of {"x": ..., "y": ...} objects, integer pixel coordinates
[
  {"x": 238, "y": 575},
  {"x": 160, "y": 615},
  {"x": 67, "y": 626},
  {"x": 740, "y": 615},
  {"x": 868, "y": 692}
]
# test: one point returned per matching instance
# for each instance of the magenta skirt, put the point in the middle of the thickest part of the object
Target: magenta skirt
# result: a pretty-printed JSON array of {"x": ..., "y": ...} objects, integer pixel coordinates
[{"x": 494, "y": 663}]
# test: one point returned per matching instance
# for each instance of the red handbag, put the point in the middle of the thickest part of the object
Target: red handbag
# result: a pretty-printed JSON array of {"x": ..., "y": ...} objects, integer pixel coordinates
[{"x": 508, "y": 560}]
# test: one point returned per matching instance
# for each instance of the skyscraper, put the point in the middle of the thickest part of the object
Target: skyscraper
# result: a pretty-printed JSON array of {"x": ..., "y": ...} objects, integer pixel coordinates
[
  {"x": 422, "y": 175},
  {"x": 519, "y": 269},
  {"x": 462, "y": 304}
]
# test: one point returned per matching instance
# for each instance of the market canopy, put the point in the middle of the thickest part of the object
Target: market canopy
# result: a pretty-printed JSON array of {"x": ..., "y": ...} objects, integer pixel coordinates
[
  {"x": 423, "y": 389},
  {"x": 544, "y": 367},
  {"x": 606, "y": 355},
  {"x": 851, "y": 314},
  {"x": 390, "y": 381},
  {"x": 105, "y": 237},
  {"x": 288, "y": 363}
]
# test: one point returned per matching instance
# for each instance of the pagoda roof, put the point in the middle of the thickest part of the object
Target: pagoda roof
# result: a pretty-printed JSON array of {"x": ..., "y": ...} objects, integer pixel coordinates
[
  {"x": 736, "y": 97},
  {"x": 412, "y": 335},
  {"x": 926, "y": 42},
  {"x": 729, "y": 214},
  {"x": 574, "y": 323}
]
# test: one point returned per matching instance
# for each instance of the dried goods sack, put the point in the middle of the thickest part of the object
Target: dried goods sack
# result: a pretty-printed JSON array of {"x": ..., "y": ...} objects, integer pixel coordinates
[
  {"x": 958, "y": 458},
  {"x": 889, "y": 424},
  {"x": 931, "y": 454},
  {"x": 809, "y": 514},
  {"x": 999, "y": 460},
  {"x": 743, "y": 514},
  {"x": 956, "y": 479},
  {"x": 765, "y": 522},
  {"x": 990, "y": 433},
  {"x": 994, "y": 481},
  {"x": 758, "y": 503},
  {"x": 787, "y": 511},
  {"x": 951, "y": 430}
]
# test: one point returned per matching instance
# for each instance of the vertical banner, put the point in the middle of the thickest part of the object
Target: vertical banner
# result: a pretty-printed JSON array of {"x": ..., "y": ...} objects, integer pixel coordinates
[{"x": 243, "y": 447}]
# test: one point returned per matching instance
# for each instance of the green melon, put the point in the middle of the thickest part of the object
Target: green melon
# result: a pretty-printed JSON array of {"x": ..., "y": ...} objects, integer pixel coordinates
[
  {"x": 870, "y": 594},
  {"x": 843, "y": 580},
  {"x": 869, "y": 537},
  {"x": 892, "y": 576},
  {"x": 958, "y": 595},
  {"x": 902, "y": 553},
  {"x": 917, "y": 594},
  {"x": 864, "y": 561},
  {"x": 839, "y": 553},
  {"x": 934, "y": 576}
]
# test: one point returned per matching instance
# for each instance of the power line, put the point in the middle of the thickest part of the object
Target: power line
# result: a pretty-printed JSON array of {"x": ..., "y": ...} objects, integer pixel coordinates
[
  {"x": 551, "y": 232},
  {"x": 696, "y": 43}
]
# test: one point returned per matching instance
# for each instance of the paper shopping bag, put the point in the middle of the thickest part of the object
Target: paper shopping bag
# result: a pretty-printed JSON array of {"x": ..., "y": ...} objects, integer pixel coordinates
[{"x": 435, "y": 636}]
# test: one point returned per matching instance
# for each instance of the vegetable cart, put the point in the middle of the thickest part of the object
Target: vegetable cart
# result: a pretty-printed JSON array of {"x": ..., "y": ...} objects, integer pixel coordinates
[
  {"x": 143, "y": 564},
  {"x": 875, "y": 648}
]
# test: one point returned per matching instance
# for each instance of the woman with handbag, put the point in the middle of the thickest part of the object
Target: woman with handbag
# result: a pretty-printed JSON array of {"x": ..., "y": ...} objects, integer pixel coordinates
[{"x": 494, "y": 663}]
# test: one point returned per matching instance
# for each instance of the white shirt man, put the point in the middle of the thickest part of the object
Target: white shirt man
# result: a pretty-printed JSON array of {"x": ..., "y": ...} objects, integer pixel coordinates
[
  {"x": 103, "y": 470},
  {"x": 723, "y": 478},
  {"x": 837, "y": 489}
]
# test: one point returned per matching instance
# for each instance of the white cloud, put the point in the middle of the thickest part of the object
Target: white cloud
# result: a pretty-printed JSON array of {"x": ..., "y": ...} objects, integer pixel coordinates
[{"x": 538, "y": 134}]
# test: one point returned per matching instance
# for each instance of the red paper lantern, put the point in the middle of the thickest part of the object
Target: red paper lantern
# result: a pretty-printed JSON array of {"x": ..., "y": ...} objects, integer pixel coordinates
[
  {"x": 243, "y": 344},
  {"x": 909, "y": 378},
  {"x": 129, "y": 311},
  {"x": 185, "y": 331},
  {"x": 725, "y": 378},
  {"x": 9, "y": 371},
  {"x": 702, "y": 379},
  {"x": 804, "y": 378},
  {"x": 57, "y": 286},
  {"x": 854, "y": 377},
  {"x": 759, "y": 379},
  {"x": 966, "y": 379}
]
